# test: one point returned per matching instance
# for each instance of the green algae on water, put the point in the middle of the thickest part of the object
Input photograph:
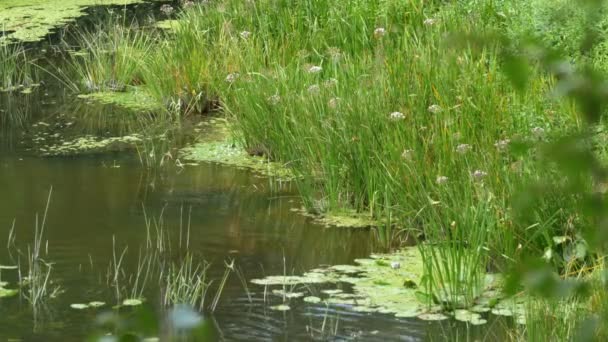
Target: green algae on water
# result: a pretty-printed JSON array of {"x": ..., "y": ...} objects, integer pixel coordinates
[
  {"x": 32, "y": 20},
  {"x": 216, "y": 145},
  {"x": 135, "y": 98},
  {"x": 90, "y": 145},
  {"x": 344, "y": 218}
]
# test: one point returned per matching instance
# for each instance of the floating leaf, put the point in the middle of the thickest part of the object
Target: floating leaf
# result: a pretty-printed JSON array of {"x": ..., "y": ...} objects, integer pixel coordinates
[
  {"x": 79, "y": 306},
  {"x": 346, "y": 268},
  {"x": 312, "y": 299},
  {"x": 288, "y": 294},
  {"x": 364, "y": 308},
  {"x": 502, "y": 312},
  {"x": 480, "y": 308},
  {"x": 309, "y": 278},
  {"x": 467, "y": 316},
  {"x": 132, "y": 302},
  {"x": 95, "y": 304},
  {"x": 332, "y": 292},
  {"x": 478, "y": 321},
  {"x": 432, "y": 317},
  {"x": 282, "y": 307},
  {"x": 408, "y": 313}
]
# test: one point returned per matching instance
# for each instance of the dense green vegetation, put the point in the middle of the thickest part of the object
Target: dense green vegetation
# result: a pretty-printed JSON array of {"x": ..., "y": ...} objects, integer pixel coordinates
[
  {"x": 383, "y": 107},
  {"x": 402, "y": 110}
]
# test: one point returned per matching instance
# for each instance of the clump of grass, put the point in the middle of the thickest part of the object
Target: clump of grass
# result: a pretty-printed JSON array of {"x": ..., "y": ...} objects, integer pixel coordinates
[
  {"x": 36, "y": 280},
  {"x": 180, "y": 70},
  {"x": 16, "y": 69},
  {"x": 109, "y": 57},
  {"x": 456, "y": 256},
  {"x": 549, "y": 320},
  {"x": 186, "y": 283}
]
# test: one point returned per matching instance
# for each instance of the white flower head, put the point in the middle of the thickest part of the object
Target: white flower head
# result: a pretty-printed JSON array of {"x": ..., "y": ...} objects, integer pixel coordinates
[
  {"x": 441, "y": 180},
  {"x": 407, "y": 154},
  {"x": 314, "y": 89},
  {"x": 332, "y": 82},
  {"x": 429, "y": 22},
  {"x": 188, "y": 4},
  {"x": 245, "y": 34},
  {"x": 463, "y": 148},
  {"x": 538, "y": 132},
  {"x": 315, "y": 69},
  {"x": 231, "y": 78},
  {"x": 167, "y": 9},
  {"x": 333, "y": 102},
  {"x": 334, "y": 53},
  {"x": 434, "y": 109},
  {"x": 502, "y": 145},
  {"x": 274, "y": 99},
  {"x": 379, "y": 32},
  {"x": 397, "y": 116},
  {"x": 479, "y": 175}
]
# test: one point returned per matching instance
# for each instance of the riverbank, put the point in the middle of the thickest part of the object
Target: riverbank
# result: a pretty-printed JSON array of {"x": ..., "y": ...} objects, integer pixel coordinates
[{"x": 381, "y": 108}]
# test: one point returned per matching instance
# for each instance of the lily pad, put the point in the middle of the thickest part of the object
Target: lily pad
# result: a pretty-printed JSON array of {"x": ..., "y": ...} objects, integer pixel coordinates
[
  {"x": 397, "y": 291},
  {"x": 502, "y": 312},
  {"x": 466, "y": 315},
  {"x": 282, "y": 307},
  {"x": 132, "y": 302},
  {"x": 332, "y": 292},
  {"x": 95, "y": 304},
  {"x": 312, "y": 299},
  {"x": 480, "y": 308},
  {"x": 478, "y": 321},
  {"x": 291, "y": 280},
  {"x": 433, "y": 317},
  {"x": 288, "y": 294},
  {"x": 409, "y": 313}
]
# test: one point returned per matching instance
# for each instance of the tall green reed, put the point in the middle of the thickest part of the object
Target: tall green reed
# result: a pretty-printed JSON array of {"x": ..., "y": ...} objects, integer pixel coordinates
[
  {"x": 108, "y": 57},
  {"x": 16, "y": 70}
]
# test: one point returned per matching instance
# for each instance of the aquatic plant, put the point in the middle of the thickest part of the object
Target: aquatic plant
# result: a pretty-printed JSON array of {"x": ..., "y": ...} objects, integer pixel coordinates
[
  {"x": 186, "y": 283},
  {"x": 108, "y": 58},
  {"x": 16, "y": 69},
  {"x": 35, "y": 280}
]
